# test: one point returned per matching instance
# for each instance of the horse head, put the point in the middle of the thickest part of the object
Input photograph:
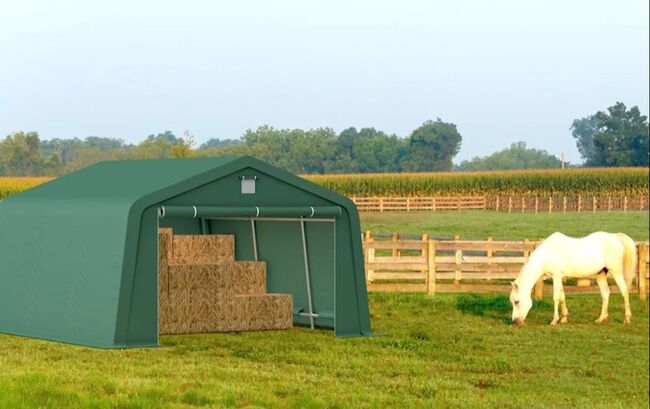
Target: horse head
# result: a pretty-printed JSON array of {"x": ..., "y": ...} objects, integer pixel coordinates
[{"x": 521, "y": 304}]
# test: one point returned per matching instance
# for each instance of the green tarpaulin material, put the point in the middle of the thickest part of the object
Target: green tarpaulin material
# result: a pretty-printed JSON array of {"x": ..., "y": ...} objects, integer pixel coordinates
[{"x": 78, "y": 255}]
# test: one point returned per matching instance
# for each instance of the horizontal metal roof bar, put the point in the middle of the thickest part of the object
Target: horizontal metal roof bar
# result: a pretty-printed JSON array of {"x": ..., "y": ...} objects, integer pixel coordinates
[{"x": 194, "y": 212}]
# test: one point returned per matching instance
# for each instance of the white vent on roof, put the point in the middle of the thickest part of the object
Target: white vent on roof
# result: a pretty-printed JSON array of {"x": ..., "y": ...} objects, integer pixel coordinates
[{"x": 248, "y": 185}]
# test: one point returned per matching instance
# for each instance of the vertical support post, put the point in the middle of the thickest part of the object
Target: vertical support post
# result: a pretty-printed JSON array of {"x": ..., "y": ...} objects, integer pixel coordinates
[
  {"x": 564, "y": 204},
  {"x": 395, "y": 251},
  {"x": 490, "y": 254},
  {"x": 370, "y": 256},
  {"x": 539, "y": 285},
  {"x": 255, "y": 238},
  {"x": 625, "y": 204},
  {"x": 458, "y": 259},
  {"x": 643, "y": 270},
  {"x": 425, "y": 255},
  {"x": 408, "y": 204},
  {"x": 609, "y": 204},
  {"x": 536, "y": 204},
  {"x": 550, "y": 204},
  {"x": 497, "y": 204},
  {"x": 523, "y": 204},
  {"x": 307, "y": 278},
  {"x": 579, "y": 203},
  {"x": 509, "y": 204},
  {"x": 593, "y": 205},
  {"x": 431, "y": 264},
  {"x": 381, "y": 205},
  {"x": 434, "y": 203}
]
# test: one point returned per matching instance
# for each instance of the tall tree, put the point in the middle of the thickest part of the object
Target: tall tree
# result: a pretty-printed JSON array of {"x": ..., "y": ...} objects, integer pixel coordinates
[
  {"x": 620, "y": 137},
  {"x": 432, "y": 147},
  {"x": 20, "y": 154},
  {"x": 583, "y": 130},
  {"x": 517, "y": 156}
]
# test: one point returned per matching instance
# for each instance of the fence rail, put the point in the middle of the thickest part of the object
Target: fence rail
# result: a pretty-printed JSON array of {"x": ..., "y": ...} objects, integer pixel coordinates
[
  {"x": 429, "y": 265},
  {"x": 510, "y": 204}
]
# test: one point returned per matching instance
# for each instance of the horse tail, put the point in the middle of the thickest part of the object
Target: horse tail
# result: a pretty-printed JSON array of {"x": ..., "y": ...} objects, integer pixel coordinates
[{"x": 629, "y": 258}]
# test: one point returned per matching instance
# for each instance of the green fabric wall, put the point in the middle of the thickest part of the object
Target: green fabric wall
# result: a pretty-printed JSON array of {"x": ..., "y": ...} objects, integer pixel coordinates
[{"x": 78, "y": 255}]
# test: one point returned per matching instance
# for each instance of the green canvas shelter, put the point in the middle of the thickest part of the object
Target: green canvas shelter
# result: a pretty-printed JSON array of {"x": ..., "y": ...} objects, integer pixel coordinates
[{"x": 79, "y": 254}]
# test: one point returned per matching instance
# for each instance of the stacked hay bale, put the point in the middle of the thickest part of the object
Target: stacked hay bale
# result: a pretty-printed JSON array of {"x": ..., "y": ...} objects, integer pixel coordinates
[{"x": 203, "y": 289}]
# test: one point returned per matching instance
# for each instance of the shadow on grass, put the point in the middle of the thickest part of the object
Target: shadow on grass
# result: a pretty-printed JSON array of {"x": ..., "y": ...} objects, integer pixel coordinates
[{"x": 496, "y": 307}]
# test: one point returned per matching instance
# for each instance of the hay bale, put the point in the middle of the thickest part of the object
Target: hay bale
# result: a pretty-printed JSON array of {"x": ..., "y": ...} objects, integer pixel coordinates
[
  {"x": 164, "y": 245},
  {"x": 213, "y": 293},
  {"x": 203, "y": 249}
]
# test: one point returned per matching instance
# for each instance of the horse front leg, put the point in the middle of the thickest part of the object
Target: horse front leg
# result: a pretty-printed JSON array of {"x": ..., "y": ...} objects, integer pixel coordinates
[
  {"x": 557, "y": 296},
  {"x": 565, "y": 310}
]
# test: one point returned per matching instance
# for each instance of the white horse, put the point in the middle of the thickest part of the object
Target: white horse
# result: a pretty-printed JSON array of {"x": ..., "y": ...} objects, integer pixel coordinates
[{"x": 561, "y": 256}]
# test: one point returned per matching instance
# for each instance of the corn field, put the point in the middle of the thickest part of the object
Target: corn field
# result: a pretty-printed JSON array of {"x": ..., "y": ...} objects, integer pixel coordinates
[
  {"x": 529, "y": 183},
  {"x": 12, "y": 185}
]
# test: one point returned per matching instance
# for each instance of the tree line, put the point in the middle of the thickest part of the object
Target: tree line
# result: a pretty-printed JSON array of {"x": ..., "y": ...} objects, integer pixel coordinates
[{"x": 615, "y": 137}]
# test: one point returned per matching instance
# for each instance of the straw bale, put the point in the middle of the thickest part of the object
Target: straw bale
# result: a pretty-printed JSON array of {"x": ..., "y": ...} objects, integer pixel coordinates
[
  {"x": 203, "y": 249},
  {"x": 214, "y": 294},
  {"x": 164, "y": 245}
]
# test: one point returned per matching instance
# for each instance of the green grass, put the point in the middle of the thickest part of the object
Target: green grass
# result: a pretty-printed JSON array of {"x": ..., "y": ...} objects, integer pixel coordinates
[
  {"x": 504, "y": 226},
  {"x": 451, "y": 351}
]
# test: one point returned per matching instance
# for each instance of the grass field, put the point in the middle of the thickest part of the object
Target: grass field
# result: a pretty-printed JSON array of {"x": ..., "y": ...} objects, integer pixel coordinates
[
  {"x": 447, "y": 352},
  {"x": 481, "y": 224},
  {"x": 453, "y": 351}
]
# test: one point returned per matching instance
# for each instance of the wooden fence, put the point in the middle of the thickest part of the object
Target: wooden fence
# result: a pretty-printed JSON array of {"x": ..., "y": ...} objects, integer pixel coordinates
[
  {"x": 553, "y": 204},
  {"x": 510, "y": 204},
  {"x": 430, "y": 265},
  {"x": 385, "y": 204}
]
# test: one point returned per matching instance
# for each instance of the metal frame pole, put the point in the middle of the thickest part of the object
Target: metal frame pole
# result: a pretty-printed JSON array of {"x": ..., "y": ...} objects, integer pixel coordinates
[
  {"x": 254, "y": 239},
  {"x": 304, "y": 252}
]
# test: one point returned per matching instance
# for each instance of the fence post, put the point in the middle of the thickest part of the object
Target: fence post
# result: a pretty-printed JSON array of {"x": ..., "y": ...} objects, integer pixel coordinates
[
  {"x": 539, "y": 285},
  {"x": 381, "y": 204},
  {"x": 370, "y": 257},
  {"x": 564, "y": 204},
  {"x": 431, "y": 264},
  {"x": 523, "y": 204},
  {"x": 550, "y": 204},
  {"x": 425, "y": 255},
  {"x": 641, "y": 280},
  {"x": 593, "y": 205},
  {"x": 579, "y": 203},
  {"x": 536, "y": 204},
  {"x": 408, "y": 204},
  {"x": 497, "y": 204},
  {"x": 395, "y": 251},
  {"x": 609, "y": 203},
  {"x": 458, "y": 260},
  {"x": 434, "y": 204},
  {"x": 625, "y": 204},
  {"x": 489, "y": 253},
  {"x": 509, "y": 204}
]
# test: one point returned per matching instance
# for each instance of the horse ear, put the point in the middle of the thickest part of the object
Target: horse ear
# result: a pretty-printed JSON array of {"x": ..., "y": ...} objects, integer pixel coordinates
[{"x": 514, "y": 285}]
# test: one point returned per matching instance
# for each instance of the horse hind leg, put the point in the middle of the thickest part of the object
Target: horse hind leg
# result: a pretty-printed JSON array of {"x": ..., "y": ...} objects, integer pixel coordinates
[
  {"x": 557, "y": 291},
  {"x": 601, "y": 279},
  {"x": 620, "y": 282}
]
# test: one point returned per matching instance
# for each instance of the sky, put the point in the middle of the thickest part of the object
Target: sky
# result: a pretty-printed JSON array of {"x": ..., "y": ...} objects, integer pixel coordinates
[{"x": 501, "y": 70}]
